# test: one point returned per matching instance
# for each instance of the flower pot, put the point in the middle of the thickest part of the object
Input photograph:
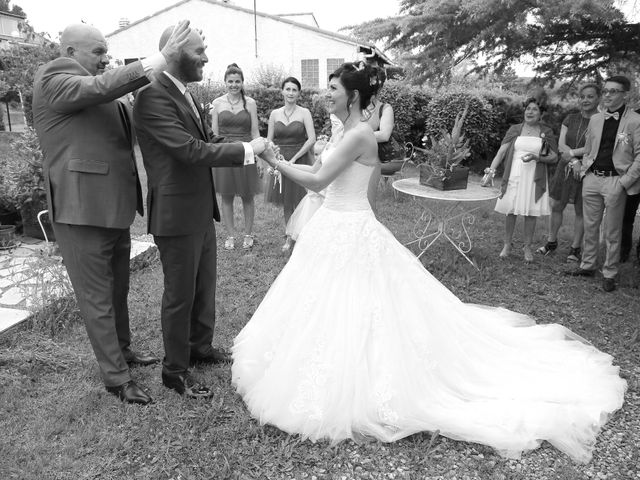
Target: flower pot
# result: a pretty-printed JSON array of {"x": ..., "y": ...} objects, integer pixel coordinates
[
  {"x": 29, "y": 212},
  {"x": 7, "y": 237},
  {"x": 454, "y": 178},
  {"x": 9, "y": 217}
]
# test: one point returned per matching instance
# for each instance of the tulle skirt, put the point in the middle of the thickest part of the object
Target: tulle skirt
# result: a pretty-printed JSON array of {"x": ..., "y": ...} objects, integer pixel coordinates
[
  {"x": 307, "y": 207},
  {"x": 355, "y": 339}
]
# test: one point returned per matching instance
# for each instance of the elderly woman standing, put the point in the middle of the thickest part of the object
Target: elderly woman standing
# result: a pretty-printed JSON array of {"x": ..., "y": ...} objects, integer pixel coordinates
[
  {"x": 566, "y": 186},
  {"x": 527, "y": 149}
]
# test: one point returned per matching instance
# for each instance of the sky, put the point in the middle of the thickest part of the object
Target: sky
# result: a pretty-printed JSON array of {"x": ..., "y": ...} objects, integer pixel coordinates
[{"x": 52, "y": 16}]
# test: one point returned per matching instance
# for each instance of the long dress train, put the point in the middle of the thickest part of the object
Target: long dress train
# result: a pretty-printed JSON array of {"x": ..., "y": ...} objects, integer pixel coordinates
[{"x": 356, "y": 339}]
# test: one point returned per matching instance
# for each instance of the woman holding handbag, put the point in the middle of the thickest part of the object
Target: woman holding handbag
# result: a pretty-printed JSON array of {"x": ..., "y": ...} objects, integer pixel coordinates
[
  {"x": 527, "y": 149},
  {"x": 381, "y": 119},
  {"x": 565, "y": 185}
]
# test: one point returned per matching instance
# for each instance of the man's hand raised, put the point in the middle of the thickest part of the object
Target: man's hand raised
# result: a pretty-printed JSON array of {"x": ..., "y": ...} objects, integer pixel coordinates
[{"x": 177, "y": 40}]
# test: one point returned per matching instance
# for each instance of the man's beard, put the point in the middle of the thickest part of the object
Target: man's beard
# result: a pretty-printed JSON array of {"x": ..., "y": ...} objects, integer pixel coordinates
[{"x": 189, "y": 68}]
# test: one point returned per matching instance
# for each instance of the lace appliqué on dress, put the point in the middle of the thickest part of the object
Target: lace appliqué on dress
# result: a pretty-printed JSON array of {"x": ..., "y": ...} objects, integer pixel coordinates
[{"x": 314, "y": 372}]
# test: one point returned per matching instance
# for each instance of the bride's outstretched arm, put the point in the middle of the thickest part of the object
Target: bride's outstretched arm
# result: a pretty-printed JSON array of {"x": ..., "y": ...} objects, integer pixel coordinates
[{"x": 355, "y": 144}]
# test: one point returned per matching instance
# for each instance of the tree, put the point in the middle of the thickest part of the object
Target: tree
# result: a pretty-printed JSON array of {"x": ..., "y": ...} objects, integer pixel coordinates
[
  {"x": 568, "y": 39},
  {"x": 16, "y": 10},
  {"x": 19, "y": 62}
]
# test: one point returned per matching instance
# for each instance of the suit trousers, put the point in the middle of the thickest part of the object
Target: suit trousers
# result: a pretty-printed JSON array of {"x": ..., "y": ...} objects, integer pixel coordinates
[
  {"x": 630, "y": 211},
  {"x": 603, "y": 199},
  {"x": 97, "y": 260},
  {"x": 188, "y": 301}
]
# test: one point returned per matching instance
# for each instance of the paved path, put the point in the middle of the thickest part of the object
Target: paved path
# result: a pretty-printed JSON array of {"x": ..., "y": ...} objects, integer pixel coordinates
[{"x": 29, "y": 275}]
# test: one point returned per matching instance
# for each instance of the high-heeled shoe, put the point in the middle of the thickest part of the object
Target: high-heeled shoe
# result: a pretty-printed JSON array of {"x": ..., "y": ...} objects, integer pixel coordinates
[
  {"x": 528, "y": 254},
  {"x": 286, "y": 248},
  {"x": 506, "y": 250}
]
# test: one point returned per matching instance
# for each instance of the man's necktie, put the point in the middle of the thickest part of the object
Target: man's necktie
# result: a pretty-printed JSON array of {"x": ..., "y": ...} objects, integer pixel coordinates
[
  {"x": 614, "y": 115},
  {"x": 192, "y": 103}
]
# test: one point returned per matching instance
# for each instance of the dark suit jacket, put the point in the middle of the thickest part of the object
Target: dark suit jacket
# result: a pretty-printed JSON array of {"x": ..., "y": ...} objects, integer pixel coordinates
[
  {"x": 178, "y": 153},
  {"x": 89, "y": 166}
]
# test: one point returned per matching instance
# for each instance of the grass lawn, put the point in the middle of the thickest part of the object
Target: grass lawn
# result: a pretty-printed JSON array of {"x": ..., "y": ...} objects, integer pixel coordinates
[{"x": 58, "y": 422}]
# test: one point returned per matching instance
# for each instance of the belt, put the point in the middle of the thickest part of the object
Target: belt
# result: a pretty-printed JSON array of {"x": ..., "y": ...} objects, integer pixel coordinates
[{"x": 605, "y": 173}]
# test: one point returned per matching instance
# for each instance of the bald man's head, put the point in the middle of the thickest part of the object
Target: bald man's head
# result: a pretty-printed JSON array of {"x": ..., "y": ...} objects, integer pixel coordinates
[
  {"x": 86, "y": 45},
  {"x": 188, "y": 66}
]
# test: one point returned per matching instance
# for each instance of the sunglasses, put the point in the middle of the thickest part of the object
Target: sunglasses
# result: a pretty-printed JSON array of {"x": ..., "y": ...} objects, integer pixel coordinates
[{"x": 612, "y": 91}]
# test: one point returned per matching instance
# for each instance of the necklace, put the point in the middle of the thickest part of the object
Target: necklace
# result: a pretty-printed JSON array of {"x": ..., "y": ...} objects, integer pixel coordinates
[
  {"x": 530, "y": 130},
  {"x": 289, "y": 115},
  {"x": 232, "y": 104}
]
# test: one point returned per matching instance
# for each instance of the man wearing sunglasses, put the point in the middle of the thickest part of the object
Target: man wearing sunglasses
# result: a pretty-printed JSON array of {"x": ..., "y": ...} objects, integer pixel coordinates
[{"x": 610, "y": 170}]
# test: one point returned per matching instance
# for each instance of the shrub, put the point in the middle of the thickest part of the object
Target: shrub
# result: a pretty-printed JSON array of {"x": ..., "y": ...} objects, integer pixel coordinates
[
  {"x": 268, "y": 75},
  {"x": 479, "y": 125},
  {"x": 408, "y": 104}
]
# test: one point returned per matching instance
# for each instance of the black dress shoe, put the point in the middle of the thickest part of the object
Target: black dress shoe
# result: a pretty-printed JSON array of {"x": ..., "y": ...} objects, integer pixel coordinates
[
  {"x": 210, "y": 355},
  {"x": 608, "y": 284},
  {"x": 185, "y": 384},
  {"x": 135, "y": 358},
  {"x": 130, "y": 392},
  {"x": 581, "y": 272}
]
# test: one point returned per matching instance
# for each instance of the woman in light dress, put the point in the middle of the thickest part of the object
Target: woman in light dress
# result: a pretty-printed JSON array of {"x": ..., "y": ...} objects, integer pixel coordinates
[
  {"x": 527, "y": 149},
  {"x": 356, "y": 340}
]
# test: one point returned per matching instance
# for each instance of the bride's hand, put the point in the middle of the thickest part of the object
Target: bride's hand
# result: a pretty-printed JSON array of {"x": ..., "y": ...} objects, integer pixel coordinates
[{"x": 269, "y": 154}]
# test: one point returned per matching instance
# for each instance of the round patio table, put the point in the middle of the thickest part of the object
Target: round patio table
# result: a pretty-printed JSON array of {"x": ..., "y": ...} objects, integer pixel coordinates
[{"x": 445, "y": 213}]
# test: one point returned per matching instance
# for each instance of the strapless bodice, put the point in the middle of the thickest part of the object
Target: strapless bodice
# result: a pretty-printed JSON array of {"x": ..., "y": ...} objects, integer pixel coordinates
[
  {"x": 348, "y": 192},
  {"x": 235, "y": 126},
  {"x": 293, "y": 133}
]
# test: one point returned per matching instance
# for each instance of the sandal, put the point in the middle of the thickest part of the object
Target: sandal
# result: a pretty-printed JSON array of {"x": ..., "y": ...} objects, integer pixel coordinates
[
  {"x": 506, "y": 251},
  {"x": 229, "y": 243},
  {"x": 548, "y": 247},
  {"x": 247, "y": 242}
]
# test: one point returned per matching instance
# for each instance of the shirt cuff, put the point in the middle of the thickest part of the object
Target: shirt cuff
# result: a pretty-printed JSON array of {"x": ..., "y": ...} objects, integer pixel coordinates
[
  {"x": 153, "y": 64},
  {"x": 249, "y": 157}
]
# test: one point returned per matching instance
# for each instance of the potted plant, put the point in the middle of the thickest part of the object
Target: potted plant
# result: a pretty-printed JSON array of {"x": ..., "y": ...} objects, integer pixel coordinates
[
  {"x": 439, "y": 162},
  {"x": 27, "y": 179}
]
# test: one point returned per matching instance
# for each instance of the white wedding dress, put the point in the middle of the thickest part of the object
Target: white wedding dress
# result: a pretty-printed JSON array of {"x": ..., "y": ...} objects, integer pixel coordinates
[{"x": 356, "y": 339}]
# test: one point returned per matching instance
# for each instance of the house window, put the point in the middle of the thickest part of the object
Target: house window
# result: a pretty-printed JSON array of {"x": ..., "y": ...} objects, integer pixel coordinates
[
  {"x": 9, "y": 27},
  {"x": 332, "y": 65},
  {"x": 310, "y": 73}
]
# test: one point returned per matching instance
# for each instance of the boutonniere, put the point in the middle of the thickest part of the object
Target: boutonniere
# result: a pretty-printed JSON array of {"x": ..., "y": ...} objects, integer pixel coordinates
[{"x": 624, "y": 137}]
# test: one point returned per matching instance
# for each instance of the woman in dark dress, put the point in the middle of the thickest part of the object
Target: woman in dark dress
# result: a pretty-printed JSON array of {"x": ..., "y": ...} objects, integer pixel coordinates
[
  {"x": 235, "y": 116},
  {"x": 565, "y": 186},
  {"x": 291, "y": 129}
]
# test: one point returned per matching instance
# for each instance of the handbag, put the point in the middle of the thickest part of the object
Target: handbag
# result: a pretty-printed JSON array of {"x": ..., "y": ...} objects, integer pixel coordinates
[
  {"x": 390, "y": 150},
  {"x": 544, "y": 149}
]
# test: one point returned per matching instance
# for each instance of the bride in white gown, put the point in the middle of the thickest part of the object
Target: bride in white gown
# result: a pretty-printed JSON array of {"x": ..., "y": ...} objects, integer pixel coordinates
[{"x": 355, "y": 339}]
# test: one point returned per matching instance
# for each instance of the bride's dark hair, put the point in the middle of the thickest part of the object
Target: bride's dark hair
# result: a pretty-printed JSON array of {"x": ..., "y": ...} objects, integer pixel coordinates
[{"x": 360, "y": 76}]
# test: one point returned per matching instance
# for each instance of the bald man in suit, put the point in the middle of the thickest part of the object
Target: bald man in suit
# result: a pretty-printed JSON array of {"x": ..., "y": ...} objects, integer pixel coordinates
[{"x": 92, "y": 185}]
